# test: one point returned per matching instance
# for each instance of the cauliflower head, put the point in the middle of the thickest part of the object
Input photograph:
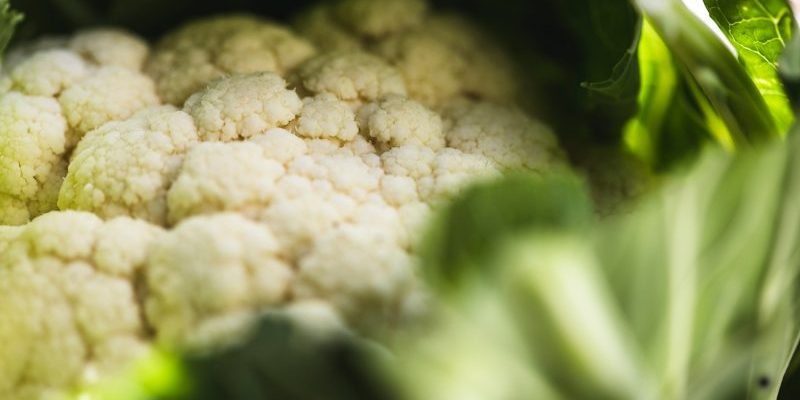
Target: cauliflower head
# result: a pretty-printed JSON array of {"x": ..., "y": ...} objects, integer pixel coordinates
[{"x": 232, "y": 170}]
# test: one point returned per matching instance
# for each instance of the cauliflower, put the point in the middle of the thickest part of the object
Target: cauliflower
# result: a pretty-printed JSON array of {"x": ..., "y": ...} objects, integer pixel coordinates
[
  {"x": 206, "y": 50},
  {"x": 68, "y": 301},
  {"x": 325, "y": 117},
  {"x": 505, "y": 135},
  {"x": 242, "y": 106},
  {"x": 375, "y": 18},
  {"x": 352, "y": 76},
  {"x": 359, "y": 270},
  {"x": 307, "y": 197},
  {"x": 32, "y": 143},
  {"x": 47, "y": 73},
  {"x": 126, "y": 167},
  {"x": 448, "y": 57},
  {"x": 111, "y": 94},
  {"x": 440, "y": 56},
  {"x": 110, "y": 47},
  {"x": 223, "y": 176},
  {"x": 321, "y": 27},
  {"x": 210, "y": 268},
  {"x": 51, "y": 95},
  {"x": 396, "y": 121},
  {"x": 419, "y": 172}
]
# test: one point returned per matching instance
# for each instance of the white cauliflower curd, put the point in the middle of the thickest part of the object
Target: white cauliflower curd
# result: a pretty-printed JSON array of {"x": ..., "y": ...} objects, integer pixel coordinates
[{"x": 172, "y": 194}]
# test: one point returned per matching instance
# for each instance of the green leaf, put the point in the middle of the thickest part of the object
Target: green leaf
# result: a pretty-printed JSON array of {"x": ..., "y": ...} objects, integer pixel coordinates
[
  {"x": 467, "y": 232},
  {"x": 719, "y": 76},
  {"x": 9, "y": 19},
  {"x": 789, "y": 70},
  {"x": 694, "y": 294},
  {"x": 669, "y": 126},
  {"x": 759, "y": 30}
]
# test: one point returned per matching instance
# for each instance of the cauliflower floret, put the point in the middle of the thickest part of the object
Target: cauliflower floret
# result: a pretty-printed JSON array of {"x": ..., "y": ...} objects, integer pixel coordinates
[
  {"x": 361, "y": 271},
  {"x": 218, "y": 176},
  {"x": 319, "y": 25},
  {"x": 305, "y": 187},
  {"x": 433, "y": 71},
  {"x": 32, "y": 142},
  {"x": 435, "y": 175},
  {"x": 449, "y": 57},
  {"x": 326, "y": 117},
  {"x": 20, "y": 53},
  {"x": 63, "y": 317},
  {"x": 281, "y": 145},
  {"x": 46, "y": 199},
  {"x": 7, "y": 235},
  {"x": 315, "y": 317},
  {"x": 109, "y": 46},
  {"x": 491, "y": 74},
  {"x": 125, "y": 168},
  {"x": 352, "y": 76},
  {"x": 205, "y": 50},
  {"x": 242, "y": 106},
  {"x": 111, "y": 94},
  {"x": 503, "y": 134},
  {"x": 209, "y": 268},
  {"x": 47, "y": 73},
  {"x": 396, "y": 121},
  {"x": 374, "y": 18}
]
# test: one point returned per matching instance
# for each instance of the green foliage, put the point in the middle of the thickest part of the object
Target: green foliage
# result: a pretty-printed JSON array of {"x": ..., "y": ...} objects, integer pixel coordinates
[
  {"x": 692, "y": 295},
  {"x": 9, "y": 19},
  {"x": 759, "y": 31},
  {"x": 470, "y": 228}
]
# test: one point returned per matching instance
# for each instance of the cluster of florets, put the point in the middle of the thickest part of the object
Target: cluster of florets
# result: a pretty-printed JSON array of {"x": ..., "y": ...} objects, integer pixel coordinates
[{"x": 234, "y": 167}]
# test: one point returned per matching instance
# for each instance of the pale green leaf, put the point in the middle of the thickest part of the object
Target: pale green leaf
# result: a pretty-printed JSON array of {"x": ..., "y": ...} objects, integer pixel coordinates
[{"x": 759, "y": 31}]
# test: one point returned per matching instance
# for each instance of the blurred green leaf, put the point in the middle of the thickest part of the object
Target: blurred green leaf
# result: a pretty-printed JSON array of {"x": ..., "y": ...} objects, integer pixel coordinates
[
  {"x": 692, "y": 295},
  {"x": 9, "y": 19},
  {"x": 669, "y": 126},
  {"x": 282, "y": 361},
  {"x": 759, "y": 31},
  {"x": 468, "y": 231}
]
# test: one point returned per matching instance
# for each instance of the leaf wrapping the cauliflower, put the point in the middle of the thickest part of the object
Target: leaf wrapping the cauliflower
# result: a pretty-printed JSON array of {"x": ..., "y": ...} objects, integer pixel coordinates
[
  {"x": 9, "y": 19},
  {"x": 693, "y": 295},
  {"x": 759, "y": 31}
]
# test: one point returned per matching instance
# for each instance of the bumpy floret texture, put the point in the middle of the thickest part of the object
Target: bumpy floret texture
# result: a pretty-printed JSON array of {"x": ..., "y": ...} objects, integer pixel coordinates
[
  {"x": 126, "y": 167},
  {"x": 352, "y": 76},
  {"x": 242, "y": 106},
  {"x": 32, "y": 143},
  {"x": 376, "y": 18},
  {"x": 273, "y": 178},
  {"x": 111, "y": 47},
  {"x": 441, "y": 56},
  {"x": 68, "y": 301},
  {"x": 505, "y": 135},
  {"x": 200, "y": 52},
  {"x": 396, "y": 121},
  {"x": 208, "y": 269},
  {"x": 51, "y": 94}
]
